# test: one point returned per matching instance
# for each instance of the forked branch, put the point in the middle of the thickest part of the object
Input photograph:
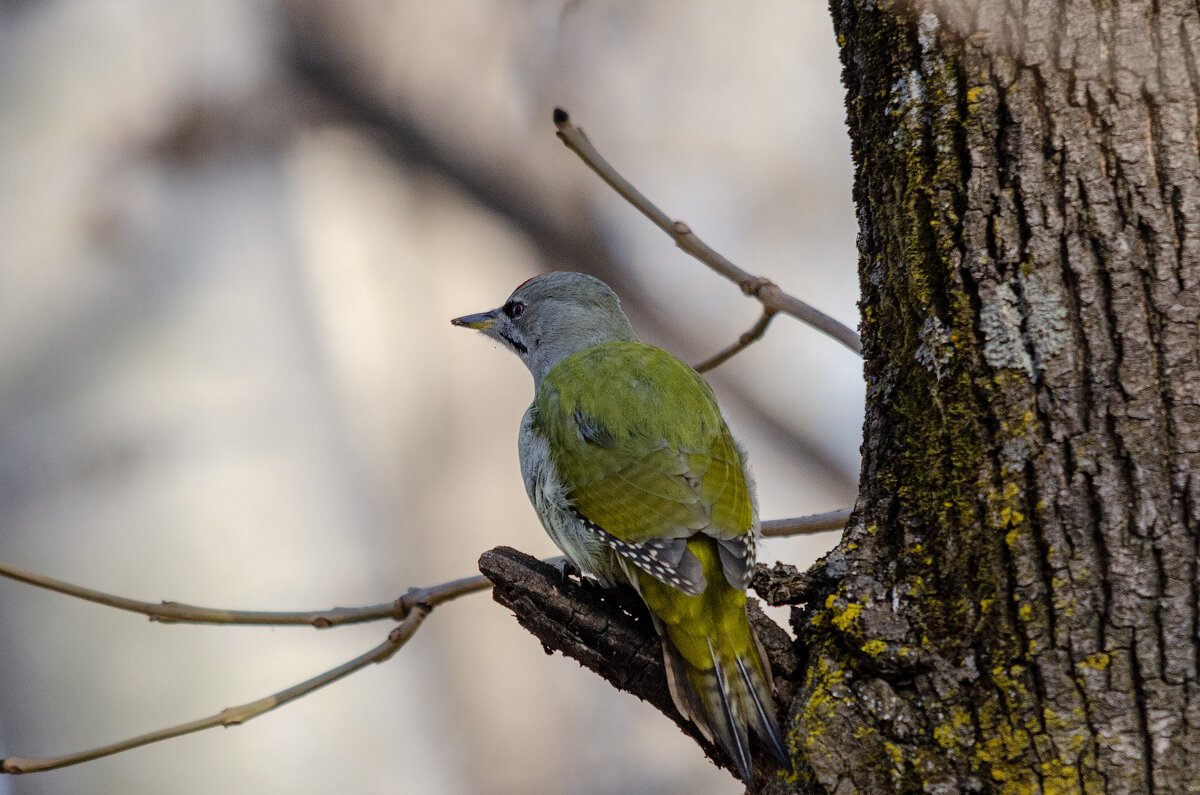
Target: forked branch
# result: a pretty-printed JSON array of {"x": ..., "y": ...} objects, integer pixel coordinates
[
  {"x": 410, "y": 610},
  {"x": 416, "y": 604},
  {"x": 767, "y": 292}
]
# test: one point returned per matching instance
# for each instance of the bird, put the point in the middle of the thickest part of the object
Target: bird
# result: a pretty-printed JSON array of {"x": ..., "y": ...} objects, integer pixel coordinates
[{"x": 636, "y": 477}]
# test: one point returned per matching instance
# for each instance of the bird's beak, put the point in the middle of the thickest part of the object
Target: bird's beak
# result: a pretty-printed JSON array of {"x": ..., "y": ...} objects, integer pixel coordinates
[{"x": 480, "y": 322}]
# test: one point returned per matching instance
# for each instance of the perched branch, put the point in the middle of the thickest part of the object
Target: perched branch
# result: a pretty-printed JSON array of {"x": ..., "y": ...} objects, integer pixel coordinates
[
  {"x": 609, "y": 632},
  {"x": 178, "y": 613},
  {"x": 806, "y": 525},
  {"x": 772, "y": 298}
]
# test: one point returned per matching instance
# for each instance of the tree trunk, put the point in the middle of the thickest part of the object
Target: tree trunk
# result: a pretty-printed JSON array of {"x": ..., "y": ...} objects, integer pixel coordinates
[{"x": 1014, "y": 607}]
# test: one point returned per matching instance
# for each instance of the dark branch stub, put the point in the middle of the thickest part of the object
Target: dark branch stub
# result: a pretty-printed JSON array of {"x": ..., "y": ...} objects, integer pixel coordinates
[{"x": 609, "y": 632}]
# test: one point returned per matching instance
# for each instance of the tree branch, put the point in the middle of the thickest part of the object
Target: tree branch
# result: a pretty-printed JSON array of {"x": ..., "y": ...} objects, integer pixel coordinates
[
  {"x": 320, "y": 65},
  {"x": 806, "y": 525},
  {"x": 168, "y": 612},
  {"x": 420, "y": 602},
  {"x": 609, "y": 632},
  {"x": 179, "y": 613},
  {"x": 745, "y": 341},
  {"x": 767, "y": 292}
]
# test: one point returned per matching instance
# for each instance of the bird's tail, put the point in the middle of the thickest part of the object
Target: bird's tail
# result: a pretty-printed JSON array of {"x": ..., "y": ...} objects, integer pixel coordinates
[
  {"x": 726, "y": 696},
  {"x": 717, "y": 671}
]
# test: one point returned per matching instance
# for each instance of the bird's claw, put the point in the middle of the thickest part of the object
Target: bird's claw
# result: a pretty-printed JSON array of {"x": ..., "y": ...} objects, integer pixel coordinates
[{"x": 566, "y": 569}]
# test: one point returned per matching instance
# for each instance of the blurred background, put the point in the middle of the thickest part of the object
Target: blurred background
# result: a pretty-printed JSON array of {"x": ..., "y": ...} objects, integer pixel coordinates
[{"x": 232, "y": 235}]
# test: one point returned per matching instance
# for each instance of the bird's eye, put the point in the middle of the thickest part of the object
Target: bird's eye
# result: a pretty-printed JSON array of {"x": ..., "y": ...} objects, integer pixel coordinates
[{"x": 514, "y": 309}]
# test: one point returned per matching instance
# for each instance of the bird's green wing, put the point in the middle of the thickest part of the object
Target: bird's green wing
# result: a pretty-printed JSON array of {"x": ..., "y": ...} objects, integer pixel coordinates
[{"x": 647, "y": 461}]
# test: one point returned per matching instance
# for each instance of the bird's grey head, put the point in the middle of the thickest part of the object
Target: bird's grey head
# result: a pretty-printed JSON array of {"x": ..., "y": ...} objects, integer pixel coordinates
[{"x": 551, "y": 316}]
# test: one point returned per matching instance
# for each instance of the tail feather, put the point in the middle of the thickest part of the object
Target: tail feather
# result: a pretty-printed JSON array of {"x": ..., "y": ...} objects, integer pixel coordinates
[
  {"x": 717, "y": 671},
  {"x": 685, "y": 695},
  {"x": 726, "y": 701},
  {"x": 729, "y": 722},
  {"x": 765, "y": 724}
]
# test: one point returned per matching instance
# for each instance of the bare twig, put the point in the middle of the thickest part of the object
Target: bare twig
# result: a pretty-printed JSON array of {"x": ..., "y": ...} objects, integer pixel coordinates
[
  {"x": 319, "y": 65},
  {"x": 806, "y": 525},
  {"x": 756, "y": 331},
  {"x": 413, "y": 607},
  {"x": 168, "y": 612},
  {"x": 772, "y": 298},
  {"x": 178, "y": 613},
  {"x": 232, "y": 715}
]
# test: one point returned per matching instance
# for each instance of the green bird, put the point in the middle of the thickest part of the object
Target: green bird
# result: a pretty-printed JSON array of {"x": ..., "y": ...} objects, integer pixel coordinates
[{"x": 636, "y": 477}]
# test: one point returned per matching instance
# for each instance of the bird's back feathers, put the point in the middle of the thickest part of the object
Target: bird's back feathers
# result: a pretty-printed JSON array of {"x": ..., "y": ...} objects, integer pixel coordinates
[
  {"x": 672, "y": 502},
  {"x": 628, "y": 465}
]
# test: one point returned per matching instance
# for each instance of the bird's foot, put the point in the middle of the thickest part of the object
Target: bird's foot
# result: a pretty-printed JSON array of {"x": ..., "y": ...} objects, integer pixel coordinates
[{"x": 566, "y": 569}]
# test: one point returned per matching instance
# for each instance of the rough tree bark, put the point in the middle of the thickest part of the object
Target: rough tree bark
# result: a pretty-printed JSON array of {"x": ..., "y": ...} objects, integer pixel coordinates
[
  {"x": 1015, "y": 606},
  {"x": 1023, "y": 571}
]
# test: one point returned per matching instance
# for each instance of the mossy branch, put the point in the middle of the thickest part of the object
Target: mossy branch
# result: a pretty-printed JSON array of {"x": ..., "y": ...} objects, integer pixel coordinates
[{"x": 609, "y": 632}]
